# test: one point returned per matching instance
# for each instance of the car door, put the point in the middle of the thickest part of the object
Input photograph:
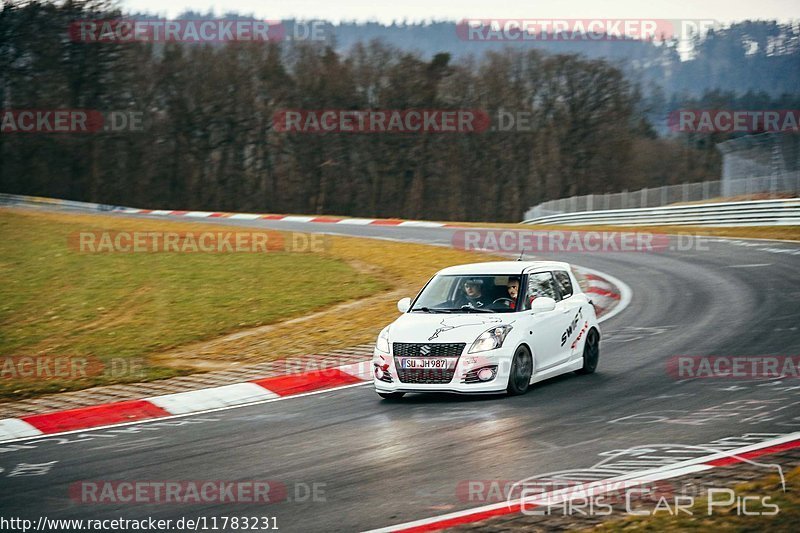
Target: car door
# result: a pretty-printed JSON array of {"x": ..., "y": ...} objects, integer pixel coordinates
[
  {"x": 547, "y": 328},
  {"x": 572, "y": 308}
]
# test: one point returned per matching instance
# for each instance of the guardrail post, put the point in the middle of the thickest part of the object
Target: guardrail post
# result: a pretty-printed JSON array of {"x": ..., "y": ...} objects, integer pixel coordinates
[
  {"x": 590, "y": 202},
  {"x": 705, "y": 190}
]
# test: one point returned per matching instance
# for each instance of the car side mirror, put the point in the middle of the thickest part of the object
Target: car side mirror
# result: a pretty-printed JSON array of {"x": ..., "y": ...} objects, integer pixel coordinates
[
  {"x": 542, "y": 304},
  {"x": 404, "y": 304}
]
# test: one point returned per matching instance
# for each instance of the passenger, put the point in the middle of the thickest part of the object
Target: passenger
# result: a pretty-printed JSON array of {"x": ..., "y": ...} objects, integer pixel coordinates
[{"x": 513, "y": 291}]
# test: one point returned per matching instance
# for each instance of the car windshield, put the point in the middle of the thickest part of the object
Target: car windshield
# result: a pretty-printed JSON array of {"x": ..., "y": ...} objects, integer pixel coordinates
[{"x": 469, "y": 294}]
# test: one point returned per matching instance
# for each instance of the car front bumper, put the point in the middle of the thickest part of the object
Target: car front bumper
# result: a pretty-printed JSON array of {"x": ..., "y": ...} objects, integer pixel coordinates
[{"x": 466, "y": 366}]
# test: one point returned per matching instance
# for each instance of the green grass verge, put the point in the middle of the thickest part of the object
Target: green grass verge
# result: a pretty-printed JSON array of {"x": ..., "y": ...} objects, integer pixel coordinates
[{"x": 57, "y": 301}]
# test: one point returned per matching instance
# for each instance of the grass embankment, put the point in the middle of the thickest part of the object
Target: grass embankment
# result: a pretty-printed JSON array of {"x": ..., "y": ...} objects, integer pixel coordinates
[
  {"x": 726, "y": 519},
  {"x": 175, "y": 313}
]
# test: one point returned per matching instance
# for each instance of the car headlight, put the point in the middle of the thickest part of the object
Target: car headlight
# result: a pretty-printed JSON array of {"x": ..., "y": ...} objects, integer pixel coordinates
[
  {"x": 490, "y": 340},
  {"x": 383, "y": 341}
]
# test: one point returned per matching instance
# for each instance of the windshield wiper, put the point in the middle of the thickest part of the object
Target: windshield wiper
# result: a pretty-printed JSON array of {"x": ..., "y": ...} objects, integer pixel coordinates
[
  {"x": 469, "y": 308},
  {"x": 461, "y": 309}
]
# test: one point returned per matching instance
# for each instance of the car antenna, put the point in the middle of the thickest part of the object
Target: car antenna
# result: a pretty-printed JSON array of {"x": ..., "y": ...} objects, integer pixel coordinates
[{"x": 521, "y": 253}]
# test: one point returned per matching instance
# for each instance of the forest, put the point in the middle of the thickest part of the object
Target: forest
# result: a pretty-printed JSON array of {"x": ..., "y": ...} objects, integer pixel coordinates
[{"x": 207, "y": 137}]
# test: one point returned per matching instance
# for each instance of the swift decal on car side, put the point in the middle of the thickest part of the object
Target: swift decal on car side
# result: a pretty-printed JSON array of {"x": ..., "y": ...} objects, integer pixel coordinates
[{"x": 572, "y": 327}]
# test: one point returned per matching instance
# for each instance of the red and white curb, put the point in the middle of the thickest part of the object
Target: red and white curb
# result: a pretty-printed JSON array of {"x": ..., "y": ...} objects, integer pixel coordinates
[
  {"x": 605, "y": 291},
  {"x": 183, "y": 403},
  {"x": 12, "y": 199},
  {"x": 287, "y": 218},
  {"x": 609, "y": 294},
  {"x": 595, "y": 488}
]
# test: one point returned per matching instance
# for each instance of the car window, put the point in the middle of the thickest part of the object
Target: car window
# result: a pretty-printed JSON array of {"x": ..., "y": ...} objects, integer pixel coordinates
[
  {"x": 449, "y": 293},
  {"x": 540, "y": 284},
  {"x": 564, "y": 283}
]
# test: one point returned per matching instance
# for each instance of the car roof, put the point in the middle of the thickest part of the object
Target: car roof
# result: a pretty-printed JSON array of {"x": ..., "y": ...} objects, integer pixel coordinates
[{"x": 503, "y": 268}]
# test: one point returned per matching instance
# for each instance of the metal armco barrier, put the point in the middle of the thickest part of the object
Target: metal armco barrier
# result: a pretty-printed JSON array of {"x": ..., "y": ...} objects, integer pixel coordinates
[
  {"x": 15, "y": 199},
  {"x": 784, "y": 212}
]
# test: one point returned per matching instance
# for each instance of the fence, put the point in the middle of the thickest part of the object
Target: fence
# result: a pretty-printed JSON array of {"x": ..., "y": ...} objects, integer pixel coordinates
[
  {"x": 788, "y": 182},
  {"x": 765, "y": 163}
]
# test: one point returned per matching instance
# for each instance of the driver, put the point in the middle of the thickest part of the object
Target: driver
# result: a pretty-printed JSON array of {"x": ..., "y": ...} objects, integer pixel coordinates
[{"x": 473, "y": 295}]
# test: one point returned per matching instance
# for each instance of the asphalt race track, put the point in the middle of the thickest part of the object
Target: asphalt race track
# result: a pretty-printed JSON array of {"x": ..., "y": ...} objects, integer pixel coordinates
[{"x": 376, "y": 463}]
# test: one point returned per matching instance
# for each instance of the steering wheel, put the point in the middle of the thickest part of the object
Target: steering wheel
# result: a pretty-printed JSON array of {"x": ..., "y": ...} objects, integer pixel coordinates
[{"x": 508, "y": 301}]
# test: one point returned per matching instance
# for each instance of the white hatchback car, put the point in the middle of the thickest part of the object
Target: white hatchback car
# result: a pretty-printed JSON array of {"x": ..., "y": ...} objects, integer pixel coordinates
[{"x": 488, "y": 328}]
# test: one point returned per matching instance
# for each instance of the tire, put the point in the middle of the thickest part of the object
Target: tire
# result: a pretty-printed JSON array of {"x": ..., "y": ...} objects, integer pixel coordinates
[
  {"x": 591, "y": 353},
  {"x": 521, "y": 370},
  {"x": 391, "y": 395}
]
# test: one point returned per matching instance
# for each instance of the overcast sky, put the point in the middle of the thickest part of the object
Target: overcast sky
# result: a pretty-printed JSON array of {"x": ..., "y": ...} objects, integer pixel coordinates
[{"x": 415, "y": 10}]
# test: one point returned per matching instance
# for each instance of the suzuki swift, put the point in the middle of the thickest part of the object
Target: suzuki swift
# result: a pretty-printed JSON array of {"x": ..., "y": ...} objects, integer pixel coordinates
[{"x": 488, "y": 328}]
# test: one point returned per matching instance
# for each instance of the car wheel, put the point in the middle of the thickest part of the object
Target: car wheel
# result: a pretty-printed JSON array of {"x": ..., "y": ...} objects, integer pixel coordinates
[
  {"x": 391, "y": 395},
  {"x": 591, "y": 353},
  {"x": 521, "y": 371}
]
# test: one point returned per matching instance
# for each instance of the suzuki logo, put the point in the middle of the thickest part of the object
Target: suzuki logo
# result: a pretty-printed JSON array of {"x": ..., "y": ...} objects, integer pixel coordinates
[{"x": 425, "y": 350}]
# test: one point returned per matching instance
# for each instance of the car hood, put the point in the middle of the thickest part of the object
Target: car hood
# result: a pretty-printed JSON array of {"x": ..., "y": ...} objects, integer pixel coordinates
[{"x": 439, "y": 327}]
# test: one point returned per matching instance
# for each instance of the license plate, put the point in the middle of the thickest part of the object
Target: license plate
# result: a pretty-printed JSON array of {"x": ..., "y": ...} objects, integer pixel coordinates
[{"x": 427, "y": 363}]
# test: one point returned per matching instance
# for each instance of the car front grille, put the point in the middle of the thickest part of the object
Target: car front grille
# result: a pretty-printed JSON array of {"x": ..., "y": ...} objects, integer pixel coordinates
[
  {"x": 427, "y": 375},
  {"x": 422, "y": 349}
]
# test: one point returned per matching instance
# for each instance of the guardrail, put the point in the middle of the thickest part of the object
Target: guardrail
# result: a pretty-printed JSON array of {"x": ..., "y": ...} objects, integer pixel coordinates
[
  {"x": 783, "y": 212},
  {"x": 16, "y": 199}
]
